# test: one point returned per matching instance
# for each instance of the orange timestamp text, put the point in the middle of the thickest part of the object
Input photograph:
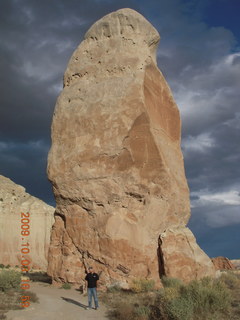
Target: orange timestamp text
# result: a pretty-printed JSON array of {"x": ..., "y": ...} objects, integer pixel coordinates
[{"x": 25, "y": 249}]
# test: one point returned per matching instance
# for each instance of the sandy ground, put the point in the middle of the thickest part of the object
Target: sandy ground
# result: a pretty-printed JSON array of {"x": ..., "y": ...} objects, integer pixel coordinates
[{"x": 57, "y": 304}]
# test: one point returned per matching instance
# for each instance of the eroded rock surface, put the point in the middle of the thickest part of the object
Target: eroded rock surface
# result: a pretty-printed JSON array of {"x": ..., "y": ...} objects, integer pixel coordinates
[
  {"x": 115, "y": 163},
  {"x": 14, "y": 201},
  {"x": 182, "y": 257},
  {"x": 223, "y": 263}
]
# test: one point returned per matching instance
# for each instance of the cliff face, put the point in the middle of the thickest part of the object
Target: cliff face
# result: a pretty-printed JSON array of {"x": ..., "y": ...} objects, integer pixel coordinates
[
  {"x": 14, "y": 201},
  {"x": 115, "y": 163}
]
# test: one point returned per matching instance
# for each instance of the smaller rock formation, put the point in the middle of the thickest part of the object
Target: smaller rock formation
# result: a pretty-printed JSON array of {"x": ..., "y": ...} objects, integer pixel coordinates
[
  {"x": 14, "y": 201},
  {"x": 182, "y": 257},
  {"x": 222, "y": 263}
]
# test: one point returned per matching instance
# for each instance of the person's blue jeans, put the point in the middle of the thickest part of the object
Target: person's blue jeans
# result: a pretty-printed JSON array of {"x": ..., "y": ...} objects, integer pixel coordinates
[{"x": 92, "y": 292}]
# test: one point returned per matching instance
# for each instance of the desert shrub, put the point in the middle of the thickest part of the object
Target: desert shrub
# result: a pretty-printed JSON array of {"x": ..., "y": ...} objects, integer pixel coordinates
[
  {"x": 1, "y": 266},
  {"x": 114, "y": 288},
  {"x": 171, "y": 282},
  {"x": 122, "y": 311},
  {"x": 66, "y": 286},
  {"x": 142, "y": 312},
  {"x": 8, "y": 266},
  {"x": 206, "y": 299},
  {"x": 33, "y": 296},
  {"x": 171, "y": 293},
  {"x": 209, "y": 295},
  {"x": 203, "y": 299},
  {"x": 180, "y": 308},
  {"x": 9, "y": 279},
  {"x": 9, "y": 300},
  {"x": 232, "y": 280},
  {"x": 142, "y": 285}
]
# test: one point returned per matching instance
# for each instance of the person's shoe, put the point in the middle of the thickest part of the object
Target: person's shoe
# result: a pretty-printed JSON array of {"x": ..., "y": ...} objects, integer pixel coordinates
[{"x": 96, "y": 308}]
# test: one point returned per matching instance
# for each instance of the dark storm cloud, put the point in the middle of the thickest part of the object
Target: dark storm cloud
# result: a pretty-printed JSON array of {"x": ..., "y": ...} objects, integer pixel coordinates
[
  {"x": 222, "y": 241},
  {"x": 37, "y": 40}
]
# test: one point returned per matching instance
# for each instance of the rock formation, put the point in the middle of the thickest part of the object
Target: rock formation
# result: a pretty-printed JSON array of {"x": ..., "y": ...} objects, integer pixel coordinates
[
  {"x": 14, "y": 201},
  {"x": 116, "y": 164},
  {"x": 223, "y": 263}
]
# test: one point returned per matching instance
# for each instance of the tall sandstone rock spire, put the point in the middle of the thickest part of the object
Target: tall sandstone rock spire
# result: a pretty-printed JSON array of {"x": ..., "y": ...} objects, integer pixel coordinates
[{"x": 116, "y": 164}]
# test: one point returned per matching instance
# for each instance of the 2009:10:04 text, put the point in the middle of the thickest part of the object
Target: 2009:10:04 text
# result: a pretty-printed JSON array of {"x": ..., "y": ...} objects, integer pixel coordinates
[{"x": 25, "y": 232}]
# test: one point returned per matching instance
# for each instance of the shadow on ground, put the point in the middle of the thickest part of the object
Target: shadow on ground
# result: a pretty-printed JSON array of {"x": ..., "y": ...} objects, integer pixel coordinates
[{"x": 74, "y": 302}]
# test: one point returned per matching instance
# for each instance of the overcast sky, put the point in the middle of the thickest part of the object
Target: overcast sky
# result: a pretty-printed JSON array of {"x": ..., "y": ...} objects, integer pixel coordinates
[{"x": 199, "y": 55}]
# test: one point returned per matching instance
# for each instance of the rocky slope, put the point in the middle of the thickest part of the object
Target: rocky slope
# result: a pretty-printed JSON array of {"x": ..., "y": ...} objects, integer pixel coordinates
[
  {"x": 14, "y": 202},
  {"x": 116, "y": 164}
]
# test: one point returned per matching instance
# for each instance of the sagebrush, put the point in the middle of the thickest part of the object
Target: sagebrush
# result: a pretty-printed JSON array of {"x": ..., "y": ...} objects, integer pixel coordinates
[
  {"x": 9, "y": 279},
  {"x": 206, "y": 299}
]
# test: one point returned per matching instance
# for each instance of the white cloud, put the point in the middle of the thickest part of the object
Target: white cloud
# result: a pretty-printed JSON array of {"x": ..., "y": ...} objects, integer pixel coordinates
[
  {"x": 231, "y": 197},
  {"x": 205, "y": 95},
  {"x": 223, "y": 216},
  {"x": 217, "y": 209},
  {"x": 200, "y": 143},
  {"x": 206, "y": 198}
]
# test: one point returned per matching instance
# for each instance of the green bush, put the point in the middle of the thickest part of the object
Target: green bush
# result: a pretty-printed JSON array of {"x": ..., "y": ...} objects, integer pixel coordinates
[
  {"x": 66, "y": 286},
  {"x": 1, "y": 266},
  {"x": 9, "y": 279},
  {"x": 204, "y": 299},
  {"x": 142, "y": 312},
  {"x": 232, "y": 280},
  {"x": 171, "y": 282},
  {"x": 114, "y": 288},
  {"x": 142, "y": 285},
  {"x": 179, "y": 309}
]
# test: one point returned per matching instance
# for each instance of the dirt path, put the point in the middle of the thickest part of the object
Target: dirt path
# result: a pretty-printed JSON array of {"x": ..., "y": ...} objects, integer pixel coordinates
[{"x": 57, "y": 304}]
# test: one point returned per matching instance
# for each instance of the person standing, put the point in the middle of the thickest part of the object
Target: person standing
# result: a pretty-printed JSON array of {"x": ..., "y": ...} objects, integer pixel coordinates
[{"x": 91, "y": 279}]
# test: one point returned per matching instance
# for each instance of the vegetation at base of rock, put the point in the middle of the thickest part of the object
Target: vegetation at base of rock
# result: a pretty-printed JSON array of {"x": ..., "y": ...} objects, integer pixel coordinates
[
  {"x": 10, "y": 291},
  {"x": 142, "y": 285},
  {"x": 66, "y": 286},
  {"x": 9, "y": 279},
  {"x": 114, "y": 288},
  {"x": 206, "y": 299},
  {"x": 171, "y": 282}
]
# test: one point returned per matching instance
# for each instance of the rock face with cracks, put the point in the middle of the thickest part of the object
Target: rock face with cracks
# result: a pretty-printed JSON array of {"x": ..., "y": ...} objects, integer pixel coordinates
[
  {"x": 13, "y": 202},
  {"x": 115, "y": 163}
]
